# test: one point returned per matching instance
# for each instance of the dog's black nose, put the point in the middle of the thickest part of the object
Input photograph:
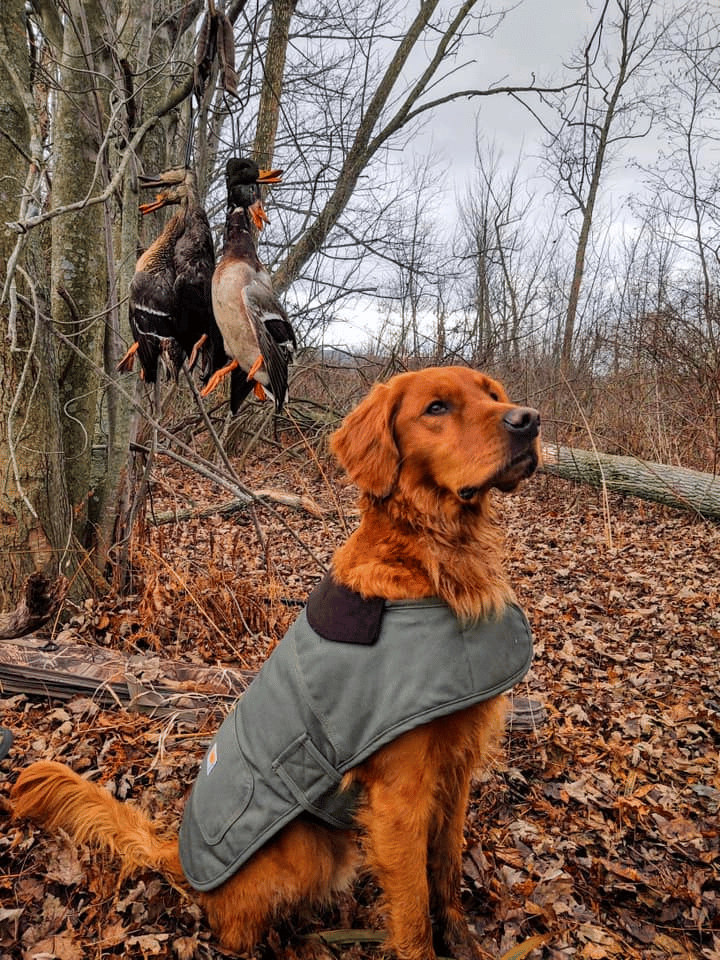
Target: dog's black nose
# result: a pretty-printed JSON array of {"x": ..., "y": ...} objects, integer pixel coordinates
[{"x": 522, "y": 422}]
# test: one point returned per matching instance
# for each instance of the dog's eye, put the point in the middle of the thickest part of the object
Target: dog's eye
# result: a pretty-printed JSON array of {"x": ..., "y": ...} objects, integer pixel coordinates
[
  {"x": 494, "y": 396},
  {"x": 436, "y": 408}
]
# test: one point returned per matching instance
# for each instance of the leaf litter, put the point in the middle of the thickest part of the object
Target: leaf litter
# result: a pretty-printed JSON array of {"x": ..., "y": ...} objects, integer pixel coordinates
[{"x": 594, "y": 834}]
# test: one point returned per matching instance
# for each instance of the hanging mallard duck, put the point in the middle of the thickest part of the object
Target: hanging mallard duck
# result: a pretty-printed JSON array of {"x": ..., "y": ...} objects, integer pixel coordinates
[{"x": 258, "y": 336}]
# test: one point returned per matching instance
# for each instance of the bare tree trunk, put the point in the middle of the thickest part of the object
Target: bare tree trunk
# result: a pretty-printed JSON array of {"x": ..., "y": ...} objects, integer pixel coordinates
[
  {"x": 78, "y": 267},
  {"x": 587, "y": 205},
  {"x": 35, "y": 518},
  {"x": 363, "y": 147},
  {"x": 137, "y": 49},
  {"x": 274, "y": 68},
  {"x": 583, "y": 172}
]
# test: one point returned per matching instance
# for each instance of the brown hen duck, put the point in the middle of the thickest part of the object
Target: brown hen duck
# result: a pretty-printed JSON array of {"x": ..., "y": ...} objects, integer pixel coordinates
[{"x": 170, "y": 308}]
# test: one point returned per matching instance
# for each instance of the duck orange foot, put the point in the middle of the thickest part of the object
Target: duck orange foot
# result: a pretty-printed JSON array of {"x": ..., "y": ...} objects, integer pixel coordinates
[{"x": 217, "y": 377}]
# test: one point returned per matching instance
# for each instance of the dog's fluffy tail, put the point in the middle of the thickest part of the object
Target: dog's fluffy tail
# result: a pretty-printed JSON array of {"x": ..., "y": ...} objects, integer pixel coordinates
[{"x": 55, "y": 797}]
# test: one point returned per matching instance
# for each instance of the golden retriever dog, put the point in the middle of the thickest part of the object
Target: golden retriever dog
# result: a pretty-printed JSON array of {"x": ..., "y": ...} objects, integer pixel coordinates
[{"x": 426, "y": 450}]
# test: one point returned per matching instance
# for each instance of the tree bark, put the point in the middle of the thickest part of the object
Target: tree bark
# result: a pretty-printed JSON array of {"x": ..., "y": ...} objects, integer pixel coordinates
[
  {"x": 41, "y": 600},
  {"x": 138, "y": 50},
  {"x": 35, "y": 514},
  {"x": 80, "y": 242},
  {"x": 662, "y": 483},
  {"x": 271, "y": 94}
]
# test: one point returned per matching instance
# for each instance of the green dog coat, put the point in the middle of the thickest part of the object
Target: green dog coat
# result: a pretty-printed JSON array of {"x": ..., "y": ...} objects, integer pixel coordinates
[{"x": 319, "y": 707}]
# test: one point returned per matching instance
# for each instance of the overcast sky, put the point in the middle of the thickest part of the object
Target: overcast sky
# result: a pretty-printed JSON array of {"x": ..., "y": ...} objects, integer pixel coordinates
[{"x": 535, "y": 37}]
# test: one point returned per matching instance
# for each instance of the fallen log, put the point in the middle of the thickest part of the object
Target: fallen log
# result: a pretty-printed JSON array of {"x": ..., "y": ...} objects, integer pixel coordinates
[
  {"x": 294, "y": 500},
  {"x": 41, "y": 600},
  {"x": 140, "y": 682},
  {"x": 673, "y": 486}
]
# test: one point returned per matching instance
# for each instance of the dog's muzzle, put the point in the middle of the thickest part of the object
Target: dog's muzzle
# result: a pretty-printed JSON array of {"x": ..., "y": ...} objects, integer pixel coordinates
[{"x": 523, "y": 427}]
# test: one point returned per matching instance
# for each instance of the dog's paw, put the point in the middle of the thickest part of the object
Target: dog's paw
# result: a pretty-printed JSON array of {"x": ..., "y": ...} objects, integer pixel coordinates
[
  {"x": 309, "y": 948},
  {"x": 458, "y": 941},
  {"x": 468, "y": 949}
]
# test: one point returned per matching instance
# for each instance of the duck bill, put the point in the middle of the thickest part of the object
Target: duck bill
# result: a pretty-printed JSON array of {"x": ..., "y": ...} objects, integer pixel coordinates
[
  {"x": 173, "y": 178},
  {"x": 160, "y": 201},
  {"x": 166, "y": 184},
  {"x": 270, "y": 176}
]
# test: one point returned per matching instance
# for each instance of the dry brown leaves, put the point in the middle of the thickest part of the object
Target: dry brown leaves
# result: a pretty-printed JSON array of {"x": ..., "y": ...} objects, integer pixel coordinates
[{"x": 598, "y": 830}]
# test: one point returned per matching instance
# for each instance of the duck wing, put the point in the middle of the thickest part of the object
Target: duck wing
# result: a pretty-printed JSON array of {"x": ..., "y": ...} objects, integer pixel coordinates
[
  {"x": 274, "y": 333},
  {"x": 194, "y": 262},
  {"x": 151, "y": 316}
]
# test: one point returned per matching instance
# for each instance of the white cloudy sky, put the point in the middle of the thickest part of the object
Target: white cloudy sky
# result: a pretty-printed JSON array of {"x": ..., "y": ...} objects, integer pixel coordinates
[{"x": 535, "y": 37}]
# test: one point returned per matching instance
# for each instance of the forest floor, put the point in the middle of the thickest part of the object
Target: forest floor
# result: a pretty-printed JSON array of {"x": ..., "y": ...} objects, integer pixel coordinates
[{"x": 594, "y": 835}]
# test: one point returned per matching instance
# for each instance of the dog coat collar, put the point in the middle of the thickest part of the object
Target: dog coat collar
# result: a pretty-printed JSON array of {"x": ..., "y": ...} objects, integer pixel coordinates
[
  {"x": 318, "y": 708},
  {"x": 338, "y": 613}
]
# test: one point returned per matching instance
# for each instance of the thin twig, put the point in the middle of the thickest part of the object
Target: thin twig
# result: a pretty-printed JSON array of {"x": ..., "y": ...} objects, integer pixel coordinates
[
  {"x": 603, "y": 485},
  {"x": 208, "y": 424},
  {"x": 16, "y": 398}
]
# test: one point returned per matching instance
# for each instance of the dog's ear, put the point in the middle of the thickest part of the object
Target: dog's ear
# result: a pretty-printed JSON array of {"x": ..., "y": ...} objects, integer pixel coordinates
[{"x": 364, "y": 444}]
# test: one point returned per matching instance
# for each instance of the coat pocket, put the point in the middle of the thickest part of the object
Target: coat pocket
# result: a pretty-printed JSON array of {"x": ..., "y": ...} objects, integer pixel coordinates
[{"x": 224, "y": 786}]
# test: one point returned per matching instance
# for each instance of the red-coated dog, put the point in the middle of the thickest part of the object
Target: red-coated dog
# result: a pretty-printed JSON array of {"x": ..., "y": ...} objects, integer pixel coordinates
[{"x": 426, "y": 450}]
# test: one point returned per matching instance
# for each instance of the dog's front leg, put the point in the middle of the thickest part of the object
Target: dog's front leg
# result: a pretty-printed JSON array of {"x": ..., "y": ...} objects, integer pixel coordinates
[
  {"x": 397, "y": 841},
  {"x": 445, "y": 869},
  {"x": 396, "y": 818},
  {"x": 471, "y": 732}
]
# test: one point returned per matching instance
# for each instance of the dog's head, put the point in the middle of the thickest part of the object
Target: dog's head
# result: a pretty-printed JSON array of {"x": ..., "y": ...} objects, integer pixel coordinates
[{"x": 449, "y": 430}]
